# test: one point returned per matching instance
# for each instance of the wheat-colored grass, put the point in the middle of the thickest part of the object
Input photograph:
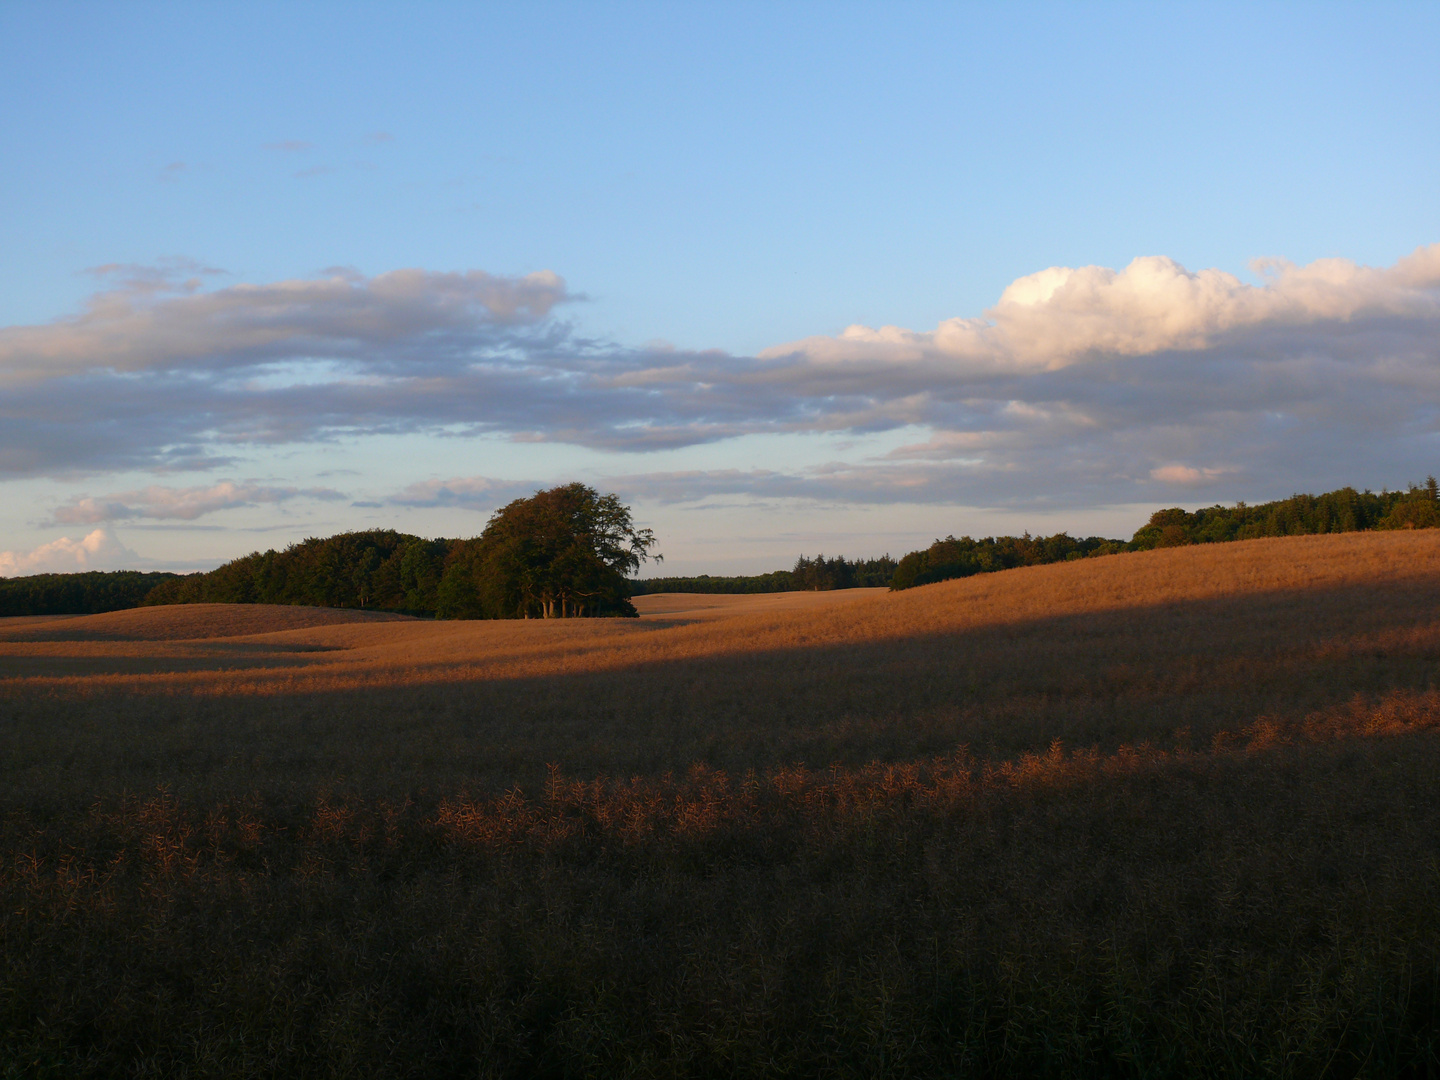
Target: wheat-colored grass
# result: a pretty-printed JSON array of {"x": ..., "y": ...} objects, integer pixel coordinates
[
  {"x": 186, "y": 622},
  {"x": 1344, "y": 581},
  {"x": 1156, "y": 646},
  {"x": 692, "y": 607}
]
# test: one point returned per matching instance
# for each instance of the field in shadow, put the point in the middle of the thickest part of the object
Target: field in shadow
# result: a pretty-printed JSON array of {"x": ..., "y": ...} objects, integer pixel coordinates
[{"x": 1164, "y": 674}]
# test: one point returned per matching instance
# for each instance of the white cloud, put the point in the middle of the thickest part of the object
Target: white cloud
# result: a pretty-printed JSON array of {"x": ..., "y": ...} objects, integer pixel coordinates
[
  {"x": 1061, "y": 316},
  {"x": 180, "y": 504},
  {"x": 97, "y": 551}
]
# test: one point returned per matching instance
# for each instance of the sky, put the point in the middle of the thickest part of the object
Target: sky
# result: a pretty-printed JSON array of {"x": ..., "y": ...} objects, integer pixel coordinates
[{"x": 787, "y": 278}]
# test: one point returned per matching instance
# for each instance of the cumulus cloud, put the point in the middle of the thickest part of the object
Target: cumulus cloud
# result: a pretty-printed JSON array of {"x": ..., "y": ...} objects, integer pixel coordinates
[
  {"x": 180, "y": 504},
  {"x": 97, "y": 551},
  {"x": 1063, "y": 316},
  {"x": 1080, "y": 385}
]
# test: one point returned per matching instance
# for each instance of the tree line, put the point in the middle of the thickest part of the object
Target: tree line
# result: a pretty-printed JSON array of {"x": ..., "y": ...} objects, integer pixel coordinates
[
  {"x": 1343, "y": 510},
  {"x": 88, "y": 593},
  {"x": 570, "y": 551},
  {"x": 809, "y": 574},
  {"x": 961, "y": 557}
]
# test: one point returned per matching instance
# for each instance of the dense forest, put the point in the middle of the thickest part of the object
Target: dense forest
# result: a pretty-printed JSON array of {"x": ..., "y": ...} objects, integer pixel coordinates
[
  {"x": 87, "y": 593},
  {"x": 570, "y": 551},
  {"x": 1345, "y": 510},
  {"x": 381, "y": 569},
  {"x": 952, "y": 558},
  {"x": 818, "y": 573}
]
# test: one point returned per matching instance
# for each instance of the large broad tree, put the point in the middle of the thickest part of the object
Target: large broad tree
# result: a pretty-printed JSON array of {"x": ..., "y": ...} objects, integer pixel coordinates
[{"x": 565, "y": 552}]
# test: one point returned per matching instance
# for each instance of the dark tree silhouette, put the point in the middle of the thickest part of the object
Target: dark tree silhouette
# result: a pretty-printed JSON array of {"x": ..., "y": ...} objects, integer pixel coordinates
[{"x": 85, "y": 593}]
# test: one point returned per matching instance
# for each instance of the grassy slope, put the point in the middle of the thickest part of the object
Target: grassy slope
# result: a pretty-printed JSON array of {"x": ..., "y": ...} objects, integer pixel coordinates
[{"x": 295, "y": 848}]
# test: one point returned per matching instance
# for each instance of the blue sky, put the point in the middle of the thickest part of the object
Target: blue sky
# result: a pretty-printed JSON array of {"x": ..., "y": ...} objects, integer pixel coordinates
[{"x": 277, "y": 271}]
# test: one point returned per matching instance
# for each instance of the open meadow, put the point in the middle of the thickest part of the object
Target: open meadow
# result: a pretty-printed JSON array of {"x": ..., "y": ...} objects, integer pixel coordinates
[{"x": 1165, "y": 813}]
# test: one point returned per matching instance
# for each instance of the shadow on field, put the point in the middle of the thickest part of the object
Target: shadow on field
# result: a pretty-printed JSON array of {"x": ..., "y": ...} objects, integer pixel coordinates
[
  {"x": 1170, "y": 674},
  {"x": 323, "y": 888}
]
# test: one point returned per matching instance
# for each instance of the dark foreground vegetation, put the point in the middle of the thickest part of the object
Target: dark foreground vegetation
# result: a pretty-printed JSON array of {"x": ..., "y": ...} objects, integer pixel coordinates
[
  {"x": 1173, "y": 815},
  {"x": 1262, "y": 911}
]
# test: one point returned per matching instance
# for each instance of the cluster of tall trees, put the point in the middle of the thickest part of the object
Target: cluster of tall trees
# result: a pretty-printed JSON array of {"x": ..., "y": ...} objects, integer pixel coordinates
[
  {"x": 821, "y": 574},
  {"x": 814, "y": 574},
  {"x": 560, "y": 553}
]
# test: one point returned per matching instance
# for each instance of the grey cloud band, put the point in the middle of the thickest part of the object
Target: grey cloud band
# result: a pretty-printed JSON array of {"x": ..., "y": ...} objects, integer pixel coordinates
[{"x": 1076, "y": 384}]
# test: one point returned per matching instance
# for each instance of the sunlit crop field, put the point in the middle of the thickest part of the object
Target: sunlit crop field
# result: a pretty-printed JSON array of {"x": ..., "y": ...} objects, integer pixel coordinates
[{"x": 1164, "y": 813}]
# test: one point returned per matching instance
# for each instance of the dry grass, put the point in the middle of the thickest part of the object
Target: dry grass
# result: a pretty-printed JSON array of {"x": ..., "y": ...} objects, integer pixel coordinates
[
  {"x": 183, "y": 623},
  {"x": 1160, "y": 814},
  {"x": 1151, "y": 647}
]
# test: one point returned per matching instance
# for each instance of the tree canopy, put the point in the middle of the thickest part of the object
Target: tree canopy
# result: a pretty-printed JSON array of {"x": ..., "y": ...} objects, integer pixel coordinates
[
  {"x": 86, "y": 593},
  {"x": 379, "y": 569},
  {"x": 1342, "y": 510},
  {"x": 564, "y": 552}
]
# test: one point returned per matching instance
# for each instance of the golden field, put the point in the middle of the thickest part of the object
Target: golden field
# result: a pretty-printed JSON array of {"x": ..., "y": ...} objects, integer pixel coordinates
[{"x": 1166, "y": 813}]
